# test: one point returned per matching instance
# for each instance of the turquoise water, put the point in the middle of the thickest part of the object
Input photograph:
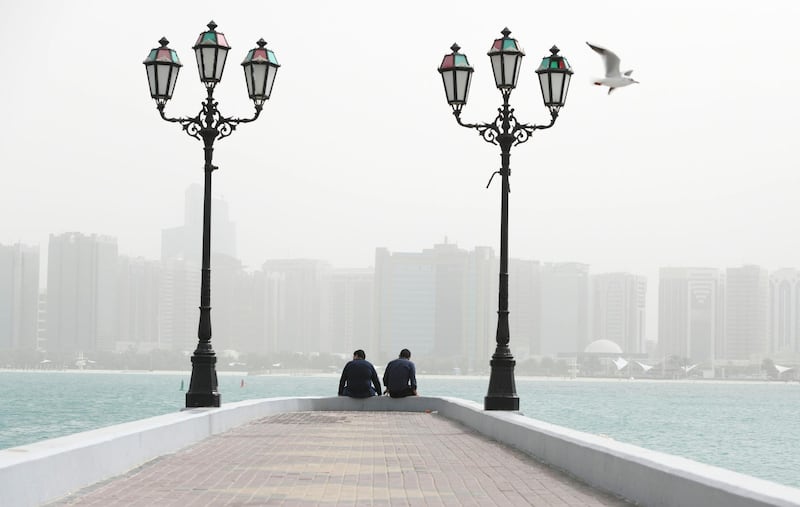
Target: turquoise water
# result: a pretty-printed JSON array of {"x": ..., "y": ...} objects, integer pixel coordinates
[{"x": 747, "y": 427}]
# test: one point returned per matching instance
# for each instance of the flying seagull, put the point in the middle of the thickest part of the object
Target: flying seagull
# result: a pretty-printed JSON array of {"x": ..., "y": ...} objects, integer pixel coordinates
[{"x": 613, "y": 77}]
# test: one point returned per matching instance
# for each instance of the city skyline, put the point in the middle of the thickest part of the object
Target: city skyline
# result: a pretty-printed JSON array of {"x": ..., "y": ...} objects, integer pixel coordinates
[
  {"x": 672, "y": 171},
  {"x": 556, "y": 307}
]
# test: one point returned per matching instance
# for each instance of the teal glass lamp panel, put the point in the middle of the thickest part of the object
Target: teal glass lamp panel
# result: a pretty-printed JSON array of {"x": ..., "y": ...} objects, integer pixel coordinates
[
  {"x": 506, "y": 57},
  {"x": 211, "y": 52},
  {"x": 162, "y": 65},
  {"x": 260, "y": 67},
  {"x": 554, "y": 74},
  {"x": 456, "y": 76}
]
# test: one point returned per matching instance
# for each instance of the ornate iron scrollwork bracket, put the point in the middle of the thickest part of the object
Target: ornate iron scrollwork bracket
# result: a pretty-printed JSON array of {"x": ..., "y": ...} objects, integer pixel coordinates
[
  {"x": 209, "y": 118},
  {"x": 505, "y": 128}
]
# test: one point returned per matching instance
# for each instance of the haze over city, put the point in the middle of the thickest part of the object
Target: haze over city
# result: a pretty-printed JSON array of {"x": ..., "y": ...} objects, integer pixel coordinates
[{"x": 357, "y": 147}]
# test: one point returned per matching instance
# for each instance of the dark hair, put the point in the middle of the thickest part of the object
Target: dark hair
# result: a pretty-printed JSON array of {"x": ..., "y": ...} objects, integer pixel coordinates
[
  {"x": 405, "y": 353},
  {"x": 360, "y": 354}
]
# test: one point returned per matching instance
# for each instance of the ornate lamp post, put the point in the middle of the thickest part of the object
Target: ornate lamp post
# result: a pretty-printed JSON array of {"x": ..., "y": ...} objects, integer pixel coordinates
[
  {"x": 505, "y": 131},
  {"x": 163, "y": 65}
]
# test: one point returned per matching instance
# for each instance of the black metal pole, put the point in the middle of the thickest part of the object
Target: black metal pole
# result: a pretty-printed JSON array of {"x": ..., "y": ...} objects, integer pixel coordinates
[
  {"x": 203, "y": 387},
  {"x": 505, "y": 131},
  {"x": 502, "y": 394}
]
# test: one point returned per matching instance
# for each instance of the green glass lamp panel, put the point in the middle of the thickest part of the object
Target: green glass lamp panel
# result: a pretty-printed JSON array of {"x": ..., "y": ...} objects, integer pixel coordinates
[
  {"x": 271, "y": 57},
  {"x": 153, "y": 54},
  {"x": 209, "y": 37},
  {"x": 461, "y": 61},
  {"x": 553, "y": 64},
  {"x": 510, "y": 44}
]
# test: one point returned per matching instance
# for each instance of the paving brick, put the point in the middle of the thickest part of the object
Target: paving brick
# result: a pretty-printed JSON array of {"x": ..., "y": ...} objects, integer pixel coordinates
[{"x": 344, "y": 459}]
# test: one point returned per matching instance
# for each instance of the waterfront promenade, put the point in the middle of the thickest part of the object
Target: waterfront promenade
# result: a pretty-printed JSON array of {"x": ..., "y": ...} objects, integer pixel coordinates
[{"x": 344, "y": 458}]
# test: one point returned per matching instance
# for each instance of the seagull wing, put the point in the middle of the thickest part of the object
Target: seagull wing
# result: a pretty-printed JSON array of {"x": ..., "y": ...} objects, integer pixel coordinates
[{"x": 611, "y": 60}]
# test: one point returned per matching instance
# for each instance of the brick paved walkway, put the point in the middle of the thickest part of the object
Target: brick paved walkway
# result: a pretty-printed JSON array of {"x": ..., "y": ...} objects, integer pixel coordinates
[{"x": 344, "y": 458}]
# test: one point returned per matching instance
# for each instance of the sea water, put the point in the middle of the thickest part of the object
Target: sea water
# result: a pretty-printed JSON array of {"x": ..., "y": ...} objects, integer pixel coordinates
[{"x": 748, "y": 427}]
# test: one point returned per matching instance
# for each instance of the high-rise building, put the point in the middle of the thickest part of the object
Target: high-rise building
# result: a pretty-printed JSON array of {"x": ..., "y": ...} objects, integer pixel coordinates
[
  {"x": 481, "y": 314},
  {"x": 435, "y": 303},
  {"x": 691, "y": 313},
  {"x": 185, "y": 241},
  {"x": 268, "y": 310},
  {"x": 405, "y": 302},
  {"x": 346, "y": 308},
  {"x": 178, "y": 302},
  {"x": 784, "y": 318},
  {"x": 138, "y": 282},
  {"x": 564, "y": 308},
  {"x": 524, "y": 307},
  {"x": 81, "y": 293},
  {"x": 299, "y": 292},
  {"x": 618, "y": 310},
  {"x": 19, "y": 296},
  {"x": 746, "y": 313},
  {"x": 232, "y": 305},
  {"x": 41, "y": 324}
]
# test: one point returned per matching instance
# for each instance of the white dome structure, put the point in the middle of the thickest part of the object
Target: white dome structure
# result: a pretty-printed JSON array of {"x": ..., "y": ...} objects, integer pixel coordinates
[{"x": 602, "y": 347}]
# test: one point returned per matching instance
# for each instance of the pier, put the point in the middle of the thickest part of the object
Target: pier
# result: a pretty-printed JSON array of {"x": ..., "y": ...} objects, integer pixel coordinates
[{"x": 379, "y": 451}]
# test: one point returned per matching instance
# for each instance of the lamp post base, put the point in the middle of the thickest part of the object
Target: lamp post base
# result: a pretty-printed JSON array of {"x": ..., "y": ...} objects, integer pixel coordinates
[
  {"x": 502, "y": 393},
  {"x": 203, "y": 385}
]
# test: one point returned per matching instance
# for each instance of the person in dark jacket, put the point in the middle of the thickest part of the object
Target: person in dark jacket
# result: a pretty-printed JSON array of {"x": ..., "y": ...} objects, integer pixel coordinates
[
  {"x": 400, "y": 376},
  {"x": 359, "y": 378}
]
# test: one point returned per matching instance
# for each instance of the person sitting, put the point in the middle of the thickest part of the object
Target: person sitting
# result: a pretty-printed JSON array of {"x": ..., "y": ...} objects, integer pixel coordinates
[
  {"x": 400, "y": 376},
  {"x": 359, "y": 378}
]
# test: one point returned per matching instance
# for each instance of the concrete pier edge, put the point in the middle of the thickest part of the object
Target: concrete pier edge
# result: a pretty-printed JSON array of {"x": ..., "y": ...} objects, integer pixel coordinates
[{"x": 45, "y": 471}]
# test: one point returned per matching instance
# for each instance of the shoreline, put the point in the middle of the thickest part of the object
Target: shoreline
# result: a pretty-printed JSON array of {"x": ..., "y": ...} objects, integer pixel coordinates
[{"x": 523, "y": 378}]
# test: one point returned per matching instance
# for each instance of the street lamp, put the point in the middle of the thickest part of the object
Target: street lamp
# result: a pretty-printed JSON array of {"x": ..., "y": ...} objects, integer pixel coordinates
[
  {"x": 163, "y": 65},
  {"x": 505, "y": 131}
]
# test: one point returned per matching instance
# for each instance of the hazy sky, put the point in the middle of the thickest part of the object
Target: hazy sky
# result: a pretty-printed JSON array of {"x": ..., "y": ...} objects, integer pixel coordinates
[{"x": 357, "y": 148}]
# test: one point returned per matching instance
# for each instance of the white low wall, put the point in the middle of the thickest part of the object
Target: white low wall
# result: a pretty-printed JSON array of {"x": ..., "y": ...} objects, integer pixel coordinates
[{"x": 37, "y": 473}]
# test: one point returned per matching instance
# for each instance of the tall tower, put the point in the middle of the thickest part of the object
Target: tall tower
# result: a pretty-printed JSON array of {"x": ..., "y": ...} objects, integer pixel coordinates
[
  {"x": 524, "y": 305},
  {"x": 346, "y": 311},
  {"x": 178, "y": 297},
  {"x": 565, "y": 308},
  {"x": 436, "y": 303},
  {"x": 405, "y": 302},
  {"x": 185, "y": 241},
  {"x": 784, "y": 304},
  {"x": 618, "y": 310},
  {"x": 300, "y": 289},
  {"x": 137, "y": 303},
  {"x": 746, "y": 321},
  {"x": 690, "y": 313},
  {"x": 19, "y": 296},
  {"x": 81, "y": 293}
]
